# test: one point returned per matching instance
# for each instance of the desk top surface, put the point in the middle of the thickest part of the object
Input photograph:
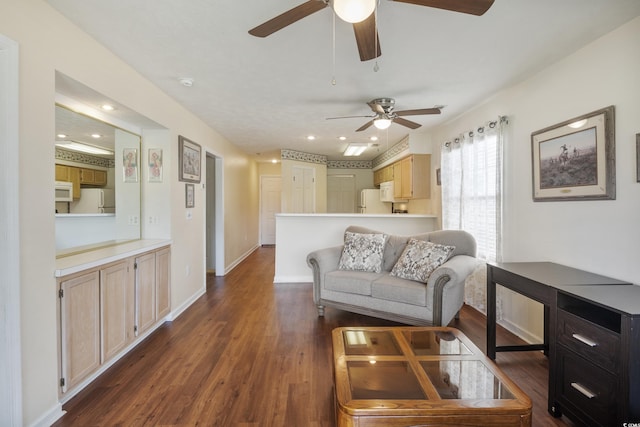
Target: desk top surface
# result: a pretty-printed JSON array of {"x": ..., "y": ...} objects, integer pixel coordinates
[{"x": 555, "y": 275}]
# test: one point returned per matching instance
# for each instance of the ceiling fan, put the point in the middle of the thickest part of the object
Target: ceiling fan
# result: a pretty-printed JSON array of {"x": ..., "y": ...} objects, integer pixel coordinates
[
  {"x": 364, "y": 20},
  {"x": 384, "y": 115}
]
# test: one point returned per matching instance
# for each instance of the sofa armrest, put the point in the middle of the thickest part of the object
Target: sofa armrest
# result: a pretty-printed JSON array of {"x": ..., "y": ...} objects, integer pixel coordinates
[
  {"x": 449, "y": 277},
  {"x": 321, "y": 262}
]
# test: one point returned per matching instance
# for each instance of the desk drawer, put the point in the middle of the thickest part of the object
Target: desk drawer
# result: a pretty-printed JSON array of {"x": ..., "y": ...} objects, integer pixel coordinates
[
  {"x": 592, "y": 341},
  {"x": 587, "y": 388}
]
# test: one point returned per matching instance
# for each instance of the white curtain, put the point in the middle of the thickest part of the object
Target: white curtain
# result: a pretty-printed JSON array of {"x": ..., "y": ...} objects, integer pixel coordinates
[{"x": 471, "y": 174}]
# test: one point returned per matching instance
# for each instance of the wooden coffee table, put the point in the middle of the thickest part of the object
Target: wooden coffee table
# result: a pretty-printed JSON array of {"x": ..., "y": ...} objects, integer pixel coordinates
[{"x": 407, "y": 376}]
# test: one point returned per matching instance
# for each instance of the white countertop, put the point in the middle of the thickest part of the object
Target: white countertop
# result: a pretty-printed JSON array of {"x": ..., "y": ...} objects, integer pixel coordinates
[{"x": 93, "y": 258}]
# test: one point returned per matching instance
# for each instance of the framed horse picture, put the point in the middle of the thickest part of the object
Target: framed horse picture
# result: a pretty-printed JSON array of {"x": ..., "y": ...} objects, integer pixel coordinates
[{"x": 575, "y": 159}]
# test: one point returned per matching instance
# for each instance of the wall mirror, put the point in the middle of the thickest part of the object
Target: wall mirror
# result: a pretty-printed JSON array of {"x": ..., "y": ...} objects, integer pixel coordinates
[{"x": 97, "y": 183}]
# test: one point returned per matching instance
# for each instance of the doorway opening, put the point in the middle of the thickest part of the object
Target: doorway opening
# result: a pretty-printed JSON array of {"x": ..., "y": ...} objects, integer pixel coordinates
[{"x": 214, "y": 224}]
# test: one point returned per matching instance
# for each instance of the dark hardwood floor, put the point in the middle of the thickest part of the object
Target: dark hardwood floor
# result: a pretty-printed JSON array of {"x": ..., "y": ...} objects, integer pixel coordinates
[{"x": 254, "y": 353}]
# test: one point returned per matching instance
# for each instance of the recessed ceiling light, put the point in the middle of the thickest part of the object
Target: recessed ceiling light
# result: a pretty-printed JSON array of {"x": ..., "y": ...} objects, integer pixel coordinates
[
  {"x": 311, "y": 137},
  {"x": 96, "y": 135},
  {"x": 342, "y": 138},
  {"x": 186, "y": 81},
  {"x": 61, "y": 135},
  {"x": 107, "y": 107},
  {"x": 374, "y": 138}
]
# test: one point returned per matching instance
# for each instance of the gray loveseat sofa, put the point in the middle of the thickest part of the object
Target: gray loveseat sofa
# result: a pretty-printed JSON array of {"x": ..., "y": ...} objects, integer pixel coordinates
[{"x": 383, "y": 295}]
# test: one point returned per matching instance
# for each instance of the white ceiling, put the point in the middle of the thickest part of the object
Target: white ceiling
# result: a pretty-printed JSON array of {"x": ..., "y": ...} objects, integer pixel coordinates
[{"x": 264, "y": 94}]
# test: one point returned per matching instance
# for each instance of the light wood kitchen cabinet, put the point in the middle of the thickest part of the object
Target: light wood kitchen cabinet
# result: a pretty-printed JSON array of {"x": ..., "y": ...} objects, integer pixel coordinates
[
  {"x": 384, "y": 174},
  {"x": 163, "y": 275},
  {"x": 93, "y": 177},
  {"x": 117, "y": 301},
  {"x": 145, "y": 292},
  {"x": 397, "y": 180},
  {"x": 70, "y": 174},
  {"x": 412, "y": 177},
  {"x": 80, "y": 328},
  {"x": 103, "y": 311}
]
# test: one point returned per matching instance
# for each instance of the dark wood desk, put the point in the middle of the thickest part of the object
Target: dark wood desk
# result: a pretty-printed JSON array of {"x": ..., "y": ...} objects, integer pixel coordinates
[
  {"x": 591, "y": 335},
  {"x": 538, "y": 281}
]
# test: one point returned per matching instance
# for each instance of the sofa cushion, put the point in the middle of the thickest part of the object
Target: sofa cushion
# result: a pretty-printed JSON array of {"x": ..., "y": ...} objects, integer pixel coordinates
[
  {"x": 420, "y": 258},
  {"x": 392, "y": 288},
  {"x": 362, "y": 252},
  {"x": 352, "y": 282}
]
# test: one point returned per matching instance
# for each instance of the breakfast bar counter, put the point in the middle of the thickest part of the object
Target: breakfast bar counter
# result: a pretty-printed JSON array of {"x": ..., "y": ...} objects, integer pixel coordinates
[{"x": 299, "y": 234}]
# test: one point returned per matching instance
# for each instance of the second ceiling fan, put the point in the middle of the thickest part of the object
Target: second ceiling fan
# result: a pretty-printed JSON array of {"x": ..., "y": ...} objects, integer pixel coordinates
[
  {"x": 365, "y": 30},
  {"x": 384, "y": 115}
]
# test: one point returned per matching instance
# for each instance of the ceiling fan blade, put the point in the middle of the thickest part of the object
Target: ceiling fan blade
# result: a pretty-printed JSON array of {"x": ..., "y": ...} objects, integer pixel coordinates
[
  {"x": 376, "y": 108},
  {"x": 472, "y": 7},
  {"x": 366, "y": 38},
  {"x": 418, "y": 112},
  {"x": 347, "y": 117},
  {"x": 407, "y": 123},
  {"x": 365, "y": 126},
  {"x": 288, "y": 18}
]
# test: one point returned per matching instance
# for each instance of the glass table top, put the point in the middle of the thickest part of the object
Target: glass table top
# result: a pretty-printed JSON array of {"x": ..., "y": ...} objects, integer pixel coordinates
[{"x": 378, "y": 368}]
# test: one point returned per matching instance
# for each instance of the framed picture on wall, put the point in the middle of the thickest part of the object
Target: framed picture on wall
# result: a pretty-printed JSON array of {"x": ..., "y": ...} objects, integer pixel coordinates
[
  {"x": 575, "y": 159},
  {"x": 638, "y": 157},
  {"x": 189, "y": 156},
  {"x": 155, "y": 165},
  {"x": 130, "y": 164},
  {"x": 189, "y": 195}
]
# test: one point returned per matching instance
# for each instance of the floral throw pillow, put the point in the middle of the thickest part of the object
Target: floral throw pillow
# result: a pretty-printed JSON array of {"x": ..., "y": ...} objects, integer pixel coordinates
[
  {"x": 362, "y": 252},
  {"x": 419, "y": 259}
]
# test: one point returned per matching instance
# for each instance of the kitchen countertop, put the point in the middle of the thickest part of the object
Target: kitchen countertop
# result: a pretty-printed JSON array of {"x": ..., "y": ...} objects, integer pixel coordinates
[
  {"x": 85, "y": 260},
  {"x": 357, "y": 215}
]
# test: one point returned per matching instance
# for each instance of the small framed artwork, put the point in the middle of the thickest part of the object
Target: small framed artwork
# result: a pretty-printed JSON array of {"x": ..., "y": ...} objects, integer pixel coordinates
[
  {"x": 130, "y": 164},
  {"x": 189, "y": 195},
  {"x": 575, "y": 159},
  {"x": 155, "y": 165},
  {"x": 638, "y": 157},
  {"x": 189, "y": 158}
]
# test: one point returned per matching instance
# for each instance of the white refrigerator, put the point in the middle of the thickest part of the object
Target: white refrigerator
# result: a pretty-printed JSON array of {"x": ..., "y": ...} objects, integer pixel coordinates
[
  {"x": 94, "y": 200},
  {"x": 370, "y": 202}
]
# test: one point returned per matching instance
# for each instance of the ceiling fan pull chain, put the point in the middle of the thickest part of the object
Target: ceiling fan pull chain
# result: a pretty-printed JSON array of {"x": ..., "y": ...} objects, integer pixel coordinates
[
  {"x": 376, "y": 67},
  {"x": 333, "y": 79}
]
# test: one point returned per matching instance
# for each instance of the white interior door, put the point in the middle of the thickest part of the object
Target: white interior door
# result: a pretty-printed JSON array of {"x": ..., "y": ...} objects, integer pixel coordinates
[
  {"x": 341, "y": 194},
  {"x": 270, "y": 195},
  {"x": 303, "y": 197}
]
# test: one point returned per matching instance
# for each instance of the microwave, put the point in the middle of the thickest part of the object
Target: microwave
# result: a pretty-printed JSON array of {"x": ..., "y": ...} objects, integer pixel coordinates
[{"x": 64, "y": 191}]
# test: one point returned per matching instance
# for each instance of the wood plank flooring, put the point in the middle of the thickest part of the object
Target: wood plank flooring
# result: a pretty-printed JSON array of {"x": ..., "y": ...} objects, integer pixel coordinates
[{"x": 253, "y": 353}]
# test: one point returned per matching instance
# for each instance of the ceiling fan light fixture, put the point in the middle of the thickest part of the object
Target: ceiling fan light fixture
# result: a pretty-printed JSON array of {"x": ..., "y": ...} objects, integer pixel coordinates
[
  {"x": 382, "y": 123},
  {"x": 354, "y": 11}
]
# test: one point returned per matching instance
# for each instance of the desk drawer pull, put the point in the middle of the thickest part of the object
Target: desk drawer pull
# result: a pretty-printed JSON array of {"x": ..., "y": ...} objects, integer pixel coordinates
[
  {"x": 584, "y": 340},
  {"x": 583, "y": 390}
]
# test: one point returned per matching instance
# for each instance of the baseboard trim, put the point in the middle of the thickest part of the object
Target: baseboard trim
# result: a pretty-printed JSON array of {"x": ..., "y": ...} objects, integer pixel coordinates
[
  {"x": 177, "y": 312},
  {"x": 293, "y": 279},
  {"x": 240, "y": 259},
  {"x": 49, "y": 417}
]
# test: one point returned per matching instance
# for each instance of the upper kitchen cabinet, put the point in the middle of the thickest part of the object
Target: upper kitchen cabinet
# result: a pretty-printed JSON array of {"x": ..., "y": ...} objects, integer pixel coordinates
[
  {"x": 383, "y": 175},
  {"x": 412, "y": 177}
]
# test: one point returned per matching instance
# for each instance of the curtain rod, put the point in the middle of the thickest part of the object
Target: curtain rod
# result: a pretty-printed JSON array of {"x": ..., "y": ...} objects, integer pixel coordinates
[{"x": 491, "y": 124}]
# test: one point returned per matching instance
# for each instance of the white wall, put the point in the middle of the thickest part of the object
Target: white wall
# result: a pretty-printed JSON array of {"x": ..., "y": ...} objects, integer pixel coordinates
[
  {"x": 68, "y": 50},
  {"x": 597, "y": 236}
]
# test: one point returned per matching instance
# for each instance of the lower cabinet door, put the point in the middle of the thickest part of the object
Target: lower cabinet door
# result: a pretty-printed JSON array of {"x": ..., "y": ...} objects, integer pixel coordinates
[
  {"x": 586, "y": 390},
  {"x": 117, "y": 298},
  {"x": 80, "y": 328},
  {"x": 145, "y": 291},
  {"x": 163, "y": 275}
]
